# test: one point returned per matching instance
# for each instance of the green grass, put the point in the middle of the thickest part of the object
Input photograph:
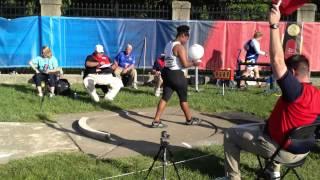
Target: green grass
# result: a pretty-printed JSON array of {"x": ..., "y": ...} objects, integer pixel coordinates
[
  {"x": 79, "y": 166},
  {"x": 19, "y": 103}
]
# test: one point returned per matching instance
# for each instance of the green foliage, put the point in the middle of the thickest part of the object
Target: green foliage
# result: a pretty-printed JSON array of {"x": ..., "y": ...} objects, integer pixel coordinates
[{"x": 248, "y": 11}]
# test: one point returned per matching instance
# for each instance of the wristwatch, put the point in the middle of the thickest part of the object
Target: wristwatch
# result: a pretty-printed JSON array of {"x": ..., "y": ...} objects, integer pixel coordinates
[{"x": 274, "y": 26}]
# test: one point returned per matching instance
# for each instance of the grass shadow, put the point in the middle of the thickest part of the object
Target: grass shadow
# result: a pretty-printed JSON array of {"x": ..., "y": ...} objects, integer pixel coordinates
[
  {"x": 21, "y": 88},
  {"x": 136, "y": 91},
  {"x": 234, "y": 120}
]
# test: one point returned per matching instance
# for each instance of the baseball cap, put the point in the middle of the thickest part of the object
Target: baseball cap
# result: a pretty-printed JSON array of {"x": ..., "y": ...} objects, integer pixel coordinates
[
  {"x": 99, "y": 48},
  {"x": 129, "y": 46}
]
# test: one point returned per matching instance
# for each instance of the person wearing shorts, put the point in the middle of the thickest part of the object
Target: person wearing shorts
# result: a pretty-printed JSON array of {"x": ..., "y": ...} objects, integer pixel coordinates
[{"x": 173, "y": 76}]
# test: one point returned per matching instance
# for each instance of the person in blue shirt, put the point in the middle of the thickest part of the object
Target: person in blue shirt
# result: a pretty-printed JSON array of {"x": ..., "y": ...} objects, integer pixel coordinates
[
  {"x": 46, "y": 68},
  {"x": 253, "y": 51},
  {"x": 125, "y": 61}
]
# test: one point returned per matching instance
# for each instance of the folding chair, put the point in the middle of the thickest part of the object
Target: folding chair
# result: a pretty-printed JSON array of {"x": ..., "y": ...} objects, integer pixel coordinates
[{"x": 302, "y": 139}]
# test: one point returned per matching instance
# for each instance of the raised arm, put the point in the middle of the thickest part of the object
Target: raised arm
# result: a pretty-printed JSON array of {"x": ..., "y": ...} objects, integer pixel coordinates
[{"x": 276, "y": 52}]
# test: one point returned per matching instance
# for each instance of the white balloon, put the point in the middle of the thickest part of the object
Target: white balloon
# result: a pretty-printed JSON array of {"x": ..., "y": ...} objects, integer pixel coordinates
[{"x": 196, "y": 52}]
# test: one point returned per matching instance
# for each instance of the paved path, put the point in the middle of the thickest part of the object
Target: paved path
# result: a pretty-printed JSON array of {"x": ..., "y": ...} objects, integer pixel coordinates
[{"x": 130, "y": 131}]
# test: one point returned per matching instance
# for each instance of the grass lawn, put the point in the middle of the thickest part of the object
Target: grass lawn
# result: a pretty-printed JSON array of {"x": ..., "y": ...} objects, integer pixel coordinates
[
  {"x": 79, "y": 166},
  {"x": 19, "y": 103}
]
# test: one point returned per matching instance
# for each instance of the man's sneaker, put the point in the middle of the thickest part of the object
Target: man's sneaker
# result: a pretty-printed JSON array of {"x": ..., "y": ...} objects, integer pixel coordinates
[
  {"x": 273, "y": 175},
  {"x": 51, "y": 95},
  {"x": 135, "y": 86},
  {"x": 108, "y": 98},
  {"x": 157, "y": 92},
  {"x": 94, "y": 96}
]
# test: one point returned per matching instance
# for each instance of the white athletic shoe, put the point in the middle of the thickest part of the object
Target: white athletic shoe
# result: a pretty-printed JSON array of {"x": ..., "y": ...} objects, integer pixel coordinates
[
  {"x": 94, "y": 96},
  {"x": 157, "y": 92},
  {"x": 273, "y": 175},
  {"x": 40, "y": 94},
  {"x": 135, "y": 86},
  {"x": 51, "y": 95},
  {"x": 108, "y": 98}
]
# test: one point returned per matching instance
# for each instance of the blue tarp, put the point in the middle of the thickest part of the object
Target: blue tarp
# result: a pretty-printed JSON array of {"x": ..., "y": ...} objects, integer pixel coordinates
[{"x": 72, "y": 39}]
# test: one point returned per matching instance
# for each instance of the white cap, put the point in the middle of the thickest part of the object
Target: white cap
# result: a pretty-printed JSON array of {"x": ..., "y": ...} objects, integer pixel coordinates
[
  {"x": 99, "y": 48},
  {"x": 129, "y": 46}
]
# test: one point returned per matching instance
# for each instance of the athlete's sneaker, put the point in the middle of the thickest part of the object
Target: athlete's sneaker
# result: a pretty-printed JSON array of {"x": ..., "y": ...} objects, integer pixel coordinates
[
  {"x": 51, "y": 95},
  {"x": 193, "y": 121},
  {"x": 159, "y": 124},
  {"x": 40, "y": 94}
]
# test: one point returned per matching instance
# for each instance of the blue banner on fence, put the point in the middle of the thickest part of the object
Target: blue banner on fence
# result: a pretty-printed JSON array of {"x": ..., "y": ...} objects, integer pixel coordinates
[
  {"x": 19, "y": 41},
  {"x": 72, "y": 39}
]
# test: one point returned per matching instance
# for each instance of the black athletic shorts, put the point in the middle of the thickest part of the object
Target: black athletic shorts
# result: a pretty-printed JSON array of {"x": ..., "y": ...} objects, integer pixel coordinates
[{"x": 174, "y": 80}]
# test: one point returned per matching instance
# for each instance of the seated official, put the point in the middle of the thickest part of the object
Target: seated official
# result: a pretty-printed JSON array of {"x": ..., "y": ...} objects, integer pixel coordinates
[
  {"x": 46, "y": 68},
  {"x": 99, "y": 71},
  {"x": 156, "y": 71},
  {"x": 125, "y": 61}
]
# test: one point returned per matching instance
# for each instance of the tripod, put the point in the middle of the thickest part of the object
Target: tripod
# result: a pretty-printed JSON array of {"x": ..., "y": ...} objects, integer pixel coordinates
[{"x": 163, "y": 150}]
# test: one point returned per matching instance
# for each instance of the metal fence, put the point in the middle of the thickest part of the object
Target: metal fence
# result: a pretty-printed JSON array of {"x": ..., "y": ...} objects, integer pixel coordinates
[
  {"x": 318, "y": 16},
  {"x": 222, "y": 10},
  {"x": 19, "y": 9},
  {"x": 116, "y": 10}
]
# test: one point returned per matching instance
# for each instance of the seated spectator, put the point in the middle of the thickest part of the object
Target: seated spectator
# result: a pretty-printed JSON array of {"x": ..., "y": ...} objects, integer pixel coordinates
[
  {"x": 99, "y": 71},
  {"x": 46, "y": 68},
  {"x": 298, "y": 106},
  {"x": 125, "y": 61},
  {"x": 156, "y": 71}
]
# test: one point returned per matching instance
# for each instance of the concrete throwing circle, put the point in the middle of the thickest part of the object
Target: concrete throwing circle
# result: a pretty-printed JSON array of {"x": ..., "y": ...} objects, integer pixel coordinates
[{"x": 132, "y": 129}]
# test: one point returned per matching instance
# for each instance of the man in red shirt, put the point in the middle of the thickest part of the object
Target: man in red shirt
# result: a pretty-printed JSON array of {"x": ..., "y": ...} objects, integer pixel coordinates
[
  {"x": 298, "y": 106},
  {"x": 99, "y": 71}
]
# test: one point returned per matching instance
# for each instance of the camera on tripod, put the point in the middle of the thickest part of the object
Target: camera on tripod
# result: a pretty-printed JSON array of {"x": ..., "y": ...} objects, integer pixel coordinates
[
  {"x": 164, "y": 140},
  {"x": 162, "y": 153}
]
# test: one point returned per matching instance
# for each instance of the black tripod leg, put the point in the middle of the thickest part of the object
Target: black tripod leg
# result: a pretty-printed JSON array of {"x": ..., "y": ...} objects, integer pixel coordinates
[
  {"x": 174, "y": 164},
  {"x": 154, "y": 161}
]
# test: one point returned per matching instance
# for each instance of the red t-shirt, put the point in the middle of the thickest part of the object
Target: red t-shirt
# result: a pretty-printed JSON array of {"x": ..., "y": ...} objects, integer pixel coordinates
[
  {"x": 103, "y": 58},
  {"x": 286, "y": 115}
]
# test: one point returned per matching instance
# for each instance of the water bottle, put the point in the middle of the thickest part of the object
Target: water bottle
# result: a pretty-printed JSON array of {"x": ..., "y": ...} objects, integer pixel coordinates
[
  {"x": 45, "y": 68},
  {"x": 75, "y": 95}
]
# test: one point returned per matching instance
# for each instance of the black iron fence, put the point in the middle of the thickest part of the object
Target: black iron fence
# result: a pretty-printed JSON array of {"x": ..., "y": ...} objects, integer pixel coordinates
[
  {"x": 318, "y": 16},
  {"x": 226, "y": 10},
  {"x": 19, "y": 9},
  {"x": 116, "y": 10}
]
